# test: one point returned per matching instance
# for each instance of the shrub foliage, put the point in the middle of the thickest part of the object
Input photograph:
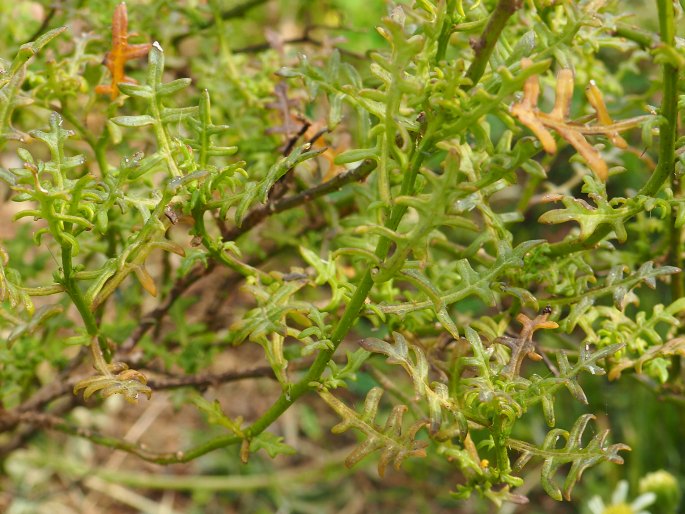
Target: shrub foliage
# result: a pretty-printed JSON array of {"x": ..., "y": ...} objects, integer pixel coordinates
[{"x": 471, "y": 210}]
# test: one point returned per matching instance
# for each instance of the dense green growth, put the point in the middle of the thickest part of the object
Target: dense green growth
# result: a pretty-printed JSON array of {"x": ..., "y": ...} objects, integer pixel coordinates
[{"x": 460, "y": 210}]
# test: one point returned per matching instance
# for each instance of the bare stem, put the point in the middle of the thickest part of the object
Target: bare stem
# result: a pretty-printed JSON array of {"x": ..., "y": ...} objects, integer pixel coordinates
[{"x": 485, "y": 44}]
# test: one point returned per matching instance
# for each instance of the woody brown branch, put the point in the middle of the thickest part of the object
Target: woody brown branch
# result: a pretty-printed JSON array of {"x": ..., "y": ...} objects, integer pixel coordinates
[
  {"x": 261, "y": 212},
  {"x": 485, "y": 44}
]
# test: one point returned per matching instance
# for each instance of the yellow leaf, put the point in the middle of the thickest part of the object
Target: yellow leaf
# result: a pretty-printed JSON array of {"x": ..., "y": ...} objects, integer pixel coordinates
[{"x": 145, "y": 279}]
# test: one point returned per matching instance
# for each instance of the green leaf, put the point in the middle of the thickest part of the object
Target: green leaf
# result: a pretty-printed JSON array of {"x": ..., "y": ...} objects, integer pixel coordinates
[
  {"x": 216, "y": 416},
  {"x": 28, "y": 50},
  {"x": 136, "y": 90},
  {"x": 339, "y": 376},
  {"x": 260, "y": 191},
  {"x": 589, "y": 217},
  {"x": 173, "y": 87},
  {"x": 271, "y": 444},
  {"x": 36, "y": 322},
  {"x": 580, "y": 458},
  {"x": 10, "y": 289},
  {"x": 394, "y": 443},
  {"x": 472, "y": 282},
  {"x": 140, "y": 120},
  {"x": 356, "y": 155},
  {"x": 435, "y": 393}
]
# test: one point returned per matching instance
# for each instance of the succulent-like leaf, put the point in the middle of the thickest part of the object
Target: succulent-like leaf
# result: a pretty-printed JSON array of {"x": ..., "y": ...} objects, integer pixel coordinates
[
  {"x": 339, "y": 376},
  {"x": 394, "y": 443},
  {"x": 10, "y": 291},
  {"x": 472, "y": 282},
  {"x": 573, "y": 452},
  {"x": 435, "y": 393},
  {"x": 615, "y": 284},
  {"x": 668, "y": 349},
  {"x": 216, "y": 416},
  {"x": 271, "y": 444},
  {"x": 116, "y": 379},
  {"x": 37, "y": 320},
  {"x": 259, "y": 192},
  {"x": 544, "y": 390}
]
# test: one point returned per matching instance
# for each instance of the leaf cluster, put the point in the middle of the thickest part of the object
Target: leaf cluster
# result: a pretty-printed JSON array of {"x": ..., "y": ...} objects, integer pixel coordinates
[{"x": 391, "y": 207}]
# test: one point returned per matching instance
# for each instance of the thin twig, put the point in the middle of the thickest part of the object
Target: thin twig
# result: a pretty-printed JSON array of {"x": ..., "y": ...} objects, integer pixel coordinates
[
  {"x": 204, "y": 380},
  {"x": 302, "y": 40},
  {"x": 485, "y": 44},
  {"x": 152, "y": 318},
  {"x": 44, "y": 24},
  {"x": 10, "y": 419},
  {"x": 261, "y": 212},
  {"x": 235, "y": 12}
]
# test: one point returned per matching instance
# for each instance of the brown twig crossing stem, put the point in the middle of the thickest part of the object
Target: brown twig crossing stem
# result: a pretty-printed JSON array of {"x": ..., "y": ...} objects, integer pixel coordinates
[
  {"x": 253, "y": 218},
  {"x": 235, "y": 12},
  {"x": 485, "y": 44},
  {"x": 261, "y": 212}
]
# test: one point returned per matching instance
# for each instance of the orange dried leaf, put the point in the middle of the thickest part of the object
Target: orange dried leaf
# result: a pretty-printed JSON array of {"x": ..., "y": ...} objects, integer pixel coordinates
[
  {"x": 121, "y": 51},
  {"x": 531, "y": 88},
  {"x": 587, "y": 151},
  {"x": 523, "y": 345},
  {"x": 562, "y": 102},
  {"x": 594, "y": 96},
  {"x": 540, "y": 123},
  {"x": 534, "y": 356},
  {"x": 145, "y": 280},
  {"x": 530, "y": 120},
  {"x": 526, "y": 111}
]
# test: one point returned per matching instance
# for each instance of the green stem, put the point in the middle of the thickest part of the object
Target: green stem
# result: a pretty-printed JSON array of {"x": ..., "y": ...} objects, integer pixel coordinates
[
  {"x": 500, "y": 439},
  {"x": 675, "y": 248},
  {"x": 226, "y": 55},
  {"x": 95, "y": 145},
  {"x": 74, "y": 291},
  {"x": 667, "y": 137},
  {"x": 446, "y": 30},
  {"x": 215, "y": 251},
  {"x": 641, "y": 37},
  {"x": 308, "y": 472},
  {"x": 666, "y": 166},
  {"x": 314, "y": 373},
  {"x": 485, "y": 45},
  {"x": 669, "y": 106},
  {"x": 355, "y": 305},
  {"x": 163, "y": 138}
]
